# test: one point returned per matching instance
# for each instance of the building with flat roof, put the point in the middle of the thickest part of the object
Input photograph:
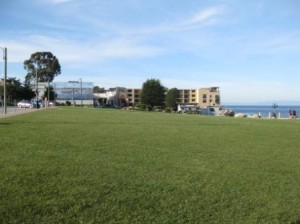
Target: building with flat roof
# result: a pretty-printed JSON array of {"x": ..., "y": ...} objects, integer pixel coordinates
[
  {"x": 113, "y": 97},
  {"x": 208, "y": 97},
  {"x": 75, "y": 92},
  {"x": 203, "y": 97},
  {"x": 120, "y": 96}
]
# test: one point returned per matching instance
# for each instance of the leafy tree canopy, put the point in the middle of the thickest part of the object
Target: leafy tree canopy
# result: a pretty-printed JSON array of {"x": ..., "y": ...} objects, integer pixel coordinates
[
  {"x": 153, "y": 93},
  {"x": 45, "y": 64},
  {"x": 16, "y": 90},
  {"x": 26, "y": 92},
  {"x": 98, "y": 89},
  {"x": 171, "y": 98}
]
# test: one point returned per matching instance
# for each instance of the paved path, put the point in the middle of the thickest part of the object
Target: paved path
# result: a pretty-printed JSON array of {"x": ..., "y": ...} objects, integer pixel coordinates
[{"x": 13, "y": 111}]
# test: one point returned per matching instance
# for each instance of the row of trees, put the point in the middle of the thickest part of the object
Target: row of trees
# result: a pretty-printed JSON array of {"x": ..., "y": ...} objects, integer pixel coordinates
[
  {"x": 40, "y": 67},
  {"x": 153, "y": 94},
  {"x": 16, "y": 90},
  {"x": 44, "y": 66}
]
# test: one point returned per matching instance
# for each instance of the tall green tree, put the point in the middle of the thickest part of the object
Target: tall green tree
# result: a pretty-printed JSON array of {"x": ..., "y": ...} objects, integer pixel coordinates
[
  {"x": 13, "y": 87},
  {"x": 26, "y": 92},
  {"x": 45, "y": 64},
  {"x": 153, "y": 93},
  {"x": 16, "y": 90},
  {"x": 97, "y": 89},
  {"x": 171, "y": 98}
]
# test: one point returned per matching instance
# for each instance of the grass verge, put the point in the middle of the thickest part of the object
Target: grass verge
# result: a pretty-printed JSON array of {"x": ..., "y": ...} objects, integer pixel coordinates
[{"x": 82, "y": 165}]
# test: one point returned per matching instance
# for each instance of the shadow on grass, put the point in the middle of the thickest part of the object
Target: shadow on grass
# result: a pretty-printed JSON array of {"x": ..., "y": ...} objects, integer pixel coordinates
[{"x": 5, "y": 123}]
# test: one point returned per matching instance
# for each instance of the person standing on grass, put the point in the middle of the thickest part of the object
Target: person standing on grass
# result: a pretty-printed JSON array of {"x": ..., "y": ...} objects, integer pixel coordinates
[
  {"x": 290, "y": 114},
  {"x": 294, "y": 114}
]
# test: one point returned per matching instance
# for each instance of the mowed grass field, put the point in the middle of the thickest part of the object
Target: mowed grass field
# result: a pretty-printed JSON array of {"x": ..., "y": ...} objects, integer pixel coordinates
[{"x": 84, "y": 165}]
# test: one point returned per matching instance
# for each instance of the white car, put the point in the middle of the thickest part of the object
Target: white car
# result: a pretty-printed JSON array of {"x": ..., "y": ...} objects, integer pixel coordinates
[{"x": 24, "y": 104}]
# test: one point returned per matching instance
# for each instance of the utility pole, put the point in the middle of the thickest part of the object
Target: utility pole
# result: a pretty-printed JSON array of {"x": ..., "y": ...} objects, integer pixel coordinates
[
  {"x": 81, "y": 91},
  {"x": 37, "y": 88},
  {"x": 5, "y": 77},
  {"x": 48, "y": 100}
]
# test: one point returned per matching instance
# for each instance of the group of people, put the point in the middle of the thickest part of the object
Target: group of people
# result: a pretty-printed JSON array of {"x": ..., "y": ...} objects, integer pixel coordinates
[{"x": 292, "y": 114}]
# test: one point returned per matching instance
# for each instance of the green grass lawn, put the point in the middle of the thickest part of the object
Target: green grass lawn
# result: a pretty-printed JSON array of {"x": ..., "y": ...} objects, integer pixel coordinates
[{"x": 84, "y": 165}]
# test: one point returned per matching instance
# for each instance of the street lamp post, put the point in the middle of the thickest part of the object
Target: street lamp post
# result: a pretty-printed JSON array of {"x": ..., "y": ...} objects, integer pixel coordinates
[
  {"x": 54, "y": 96},
  {"x": 208, "y": 111},
  {"x": 5, "y": 77},
  {"x": 73, "y": 99},
  {"x": 37, "y": 89},
  {"x": 73, "y": 96},
  {"x": 81, "y": 91},
  {"x": 48, "y": 100},
  {"x": 73, "y": 89}
]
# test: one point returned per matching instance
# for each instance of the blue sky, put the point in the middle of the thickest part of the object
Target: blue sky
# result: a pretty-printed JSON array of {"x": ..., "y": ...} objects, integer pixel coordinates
[{"x": 250, "y": 49}]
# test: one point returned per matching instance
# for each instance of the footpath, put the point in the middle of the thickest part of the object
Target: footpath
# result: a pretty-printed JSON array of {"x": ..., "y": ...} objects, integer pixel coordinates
[{"x": 14, "y": 111}]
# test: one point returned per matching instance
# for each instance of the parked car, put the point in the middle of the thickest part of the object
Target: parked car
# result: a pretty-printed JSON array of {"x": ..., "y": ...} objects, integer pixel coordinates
[
  {"x": 39, "y": 103},
  {"x": 24, "y": 104}
]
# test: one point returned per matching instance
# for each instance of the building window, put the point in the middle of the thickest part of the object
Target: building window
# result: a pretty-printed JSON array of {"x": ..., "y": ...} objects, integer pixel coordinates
[
  {"x": 204, "y": 96},
  {"x": 217, "y": 99}
]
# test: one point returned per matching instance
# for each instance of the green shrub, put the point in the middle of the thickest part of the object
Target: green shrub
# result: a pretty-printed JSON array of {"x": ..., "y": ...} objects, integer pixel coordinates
[{"x": 168, "y": 110}]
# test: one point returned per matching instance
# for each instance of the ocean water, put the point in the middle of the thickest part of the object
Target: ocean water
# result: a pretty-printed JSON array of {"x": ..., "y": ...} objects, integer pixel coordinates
[{"x": 264, "y": 110}]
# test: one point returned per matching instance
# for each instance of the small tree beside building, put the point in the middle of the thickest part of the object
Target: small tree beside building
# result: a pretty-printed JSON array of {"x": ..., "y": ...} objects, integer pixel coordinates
[
  {"x": 171, "y": 98},
  {"x": 153, "y": 93}
]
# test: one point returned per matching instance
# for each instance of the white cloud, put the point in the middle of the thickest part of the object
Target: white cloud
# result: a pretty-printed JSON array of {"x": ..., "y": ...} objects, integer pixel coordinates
[
  {"x": 206, "y": 16},
  {"x": 76, "y": 51},
  {"x": 260, "y": 6},
  {"x": 122, "y": 47},
  {"x": 59, "y": 1},
  {"x": 282, "y": 43}
]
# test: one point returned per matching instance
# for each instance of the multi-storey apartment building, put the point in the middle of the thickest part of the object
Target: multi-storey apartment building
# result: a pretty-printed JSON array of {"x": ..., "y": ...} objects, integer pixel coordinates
[
  {"x": 208, "y": 97},
  {"x": 203, "y": 97},
  {"x": 133, "y": 96},
  {"x": 187, "y": 96}
]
